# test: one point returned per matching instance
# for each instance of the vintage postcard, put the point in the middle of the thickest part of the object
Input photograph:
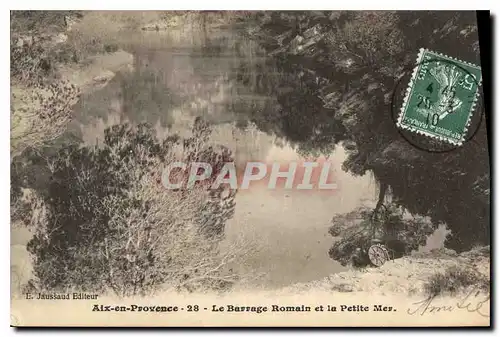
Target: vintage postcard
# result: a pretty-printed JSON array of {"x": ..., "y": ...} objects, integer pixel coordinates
[{"x": 248, "y": 169}]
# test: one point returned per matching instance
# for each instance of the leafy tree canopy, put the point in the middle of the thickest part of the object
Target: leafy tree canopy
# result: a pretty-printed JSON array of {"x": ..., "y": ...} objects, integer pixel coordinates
[{"x": 339, "y": 72}]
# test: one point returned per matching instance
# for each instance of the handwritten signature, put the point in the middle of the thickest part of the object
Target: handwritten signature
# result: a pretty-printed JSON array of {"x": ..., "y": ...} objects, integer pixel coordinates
[{"x": 475, "y": 301}]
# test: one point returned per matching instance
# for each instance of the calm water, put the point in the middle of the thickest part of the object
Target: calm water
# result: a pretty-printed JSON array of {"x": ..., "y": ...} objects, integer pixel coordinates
[
  {"x": 226, "y": 78},
  {"x": 185, "y": 73},
  {"x": 218, "y": 74}
]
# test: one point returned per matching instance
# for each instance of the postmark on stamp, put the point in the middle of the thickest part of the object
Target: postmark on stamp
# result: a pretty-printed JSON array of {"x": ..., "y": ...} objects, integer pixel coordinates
[{"x": 440, "y": 97}]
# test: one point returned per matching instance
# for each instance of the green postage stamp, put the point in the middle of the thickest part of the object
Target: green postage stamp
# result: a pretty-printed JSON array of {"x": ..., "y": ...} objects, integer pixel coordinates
[{"x": 441, "y": 97}]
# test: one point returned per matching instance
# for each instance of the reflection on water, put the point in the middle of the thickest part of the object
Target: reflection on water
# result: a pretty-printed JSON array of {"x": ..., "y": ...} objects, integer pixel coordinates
[
  {"x": 227, "y": 79},
  {"x": 184, "y": 73}
]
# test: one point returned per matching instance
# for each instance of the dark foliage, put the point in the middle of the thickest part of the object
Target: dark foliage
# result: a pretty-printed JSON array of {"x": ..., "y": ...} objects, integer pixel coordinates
[
  {"x": 355, "y": 231},
  {"x": 340, "y": 71},
  {"x": 105, "y": 229}
]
